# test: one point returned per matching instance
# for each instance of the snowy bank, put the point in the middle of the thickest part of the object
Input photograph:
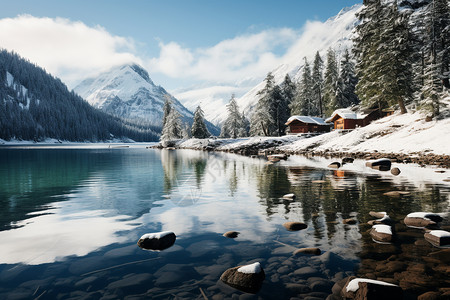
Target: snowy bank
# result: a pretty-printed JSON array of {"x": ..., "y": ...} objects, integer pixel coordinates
[{"x": 406, "y": 138}]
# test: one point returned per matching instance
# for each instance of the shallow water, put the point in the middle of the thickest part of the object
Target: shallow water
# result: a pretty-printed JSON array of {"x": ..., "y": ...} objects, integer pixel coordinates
[{"x": 70, "y": 218}]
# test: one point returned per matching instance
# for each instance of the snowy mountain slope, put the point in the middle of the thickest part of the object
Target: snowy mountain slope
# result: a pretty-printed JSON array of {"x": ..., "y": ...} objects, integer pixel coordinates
[
  {"x": 336, "y": 32},
  {"x": 128, "y": 92}
]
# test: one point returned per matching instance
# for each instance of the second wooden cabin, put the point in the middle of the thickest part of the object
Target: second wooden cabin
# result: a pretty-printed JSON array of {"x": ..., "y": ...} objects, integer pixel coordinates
[{"x": 349, "y": 119}]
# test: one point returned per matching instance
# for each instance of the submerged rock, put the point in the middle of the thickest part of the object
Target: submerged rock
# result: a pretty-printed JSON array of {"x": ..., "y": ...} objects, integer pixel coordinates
[
  {"x": 395, "y": 171},
  {"x": 396, "y": 193},
  {"x": 335, "y": 165},
  {"x": 381, "y": 233},
  {"x": 289, "y": 196},
  {"x": 347, "y": 160},
  {"x": 349, "y": 221},
  {"x": 294, "y": 226},
  {"x": 157, "y": 241},
  {"x": 422, "y": 219},
  {"x": 382, "y": 164},
  {"x": 248, "y": 278},
  {"x": 438, "y": 238},
  {"x": 383, "y": 218},
  {"x": 231, "y": 234},
  {"x": 363, "y": 288},
  {"x": 310, "y": 251}
]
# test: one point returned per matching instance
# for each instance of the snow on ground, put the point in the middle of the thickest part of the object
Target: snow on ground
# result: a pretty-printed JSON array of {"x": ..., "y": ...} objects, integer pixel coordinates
[
  {"x": 406, "y": 134},
  {"x": 225, "y": 144}
]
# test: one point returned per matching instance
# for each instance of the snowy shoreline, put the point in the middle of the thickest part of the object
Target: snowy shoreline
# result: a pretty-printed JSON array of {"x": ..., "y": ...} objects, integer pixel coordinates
[{"x": 406, "y": 138}]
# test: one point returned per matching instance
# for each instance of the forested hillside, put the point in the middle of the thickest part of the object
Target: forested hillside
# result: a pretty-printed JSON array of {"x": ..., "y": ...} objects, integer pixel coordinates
[{"x": 35, "y": 105}]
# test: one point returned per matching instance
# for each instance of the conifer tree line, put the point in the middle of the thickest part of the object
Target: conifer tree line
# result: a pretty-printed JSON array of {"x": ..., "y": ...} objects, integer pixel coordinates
[
  {"x": 35, "y": 106},
  {"x": 320, "y": 90},
  {"x": 401, "y": 60},
  {"x": 395, "y": 62}
]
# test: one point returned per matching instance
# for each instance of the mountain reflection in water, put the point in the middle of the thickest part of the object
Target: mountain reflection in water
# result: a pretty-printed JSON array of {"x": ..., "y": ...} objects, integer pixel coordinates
[{"x": 71, "y": 218}]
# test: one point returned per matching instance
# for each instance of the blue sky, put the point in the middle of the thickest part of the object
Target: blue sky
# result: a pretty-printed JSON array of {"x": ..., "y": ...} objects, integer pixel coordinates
[{"x": 167, "y": 37}]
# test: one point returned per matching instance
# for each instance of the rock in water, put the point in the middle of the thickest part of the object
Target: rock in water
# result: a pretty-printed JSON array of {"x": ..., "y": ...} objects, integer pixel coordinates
[
  {"x": 383, "y": 218},
  {"x": 294, "y": 226},
  {"x": 375, "y": 214},
  {"x": 289, "y": 196},
  {"x": 335, "y": 165},
  {"x": 248, "y": 278},
  {"x": 347, "y": 160},
  {"x": 422, "y": 219},
  {"x": 231, "y": 234},
  {"x": 311, "y": 251},
  {"x": 395, "y": 171},
  {"x": 381, "y": 233},
  {"x": 362, "y": 288},
  {"x": 383, "y": 164},
  {"x": 157, "y": 241},
  {"x": 438, "y": 238},
  {"x": 349, "y": 221}
]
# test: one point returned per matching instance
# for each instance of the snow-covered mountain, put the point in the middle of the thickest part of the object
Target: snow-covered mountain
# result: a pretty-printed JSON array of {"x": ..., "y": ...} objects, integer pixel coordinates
[
  {"x": 336, "y": 32},
  {"x": 128, "y": 92}
]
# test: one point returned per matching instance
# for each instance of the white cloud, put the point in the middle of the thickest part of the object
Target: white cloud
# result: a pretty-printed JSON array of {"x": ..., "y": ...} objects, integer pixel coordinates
[
  {"x": 67, "y": 49},
  {"x": 229, "y": 61}
]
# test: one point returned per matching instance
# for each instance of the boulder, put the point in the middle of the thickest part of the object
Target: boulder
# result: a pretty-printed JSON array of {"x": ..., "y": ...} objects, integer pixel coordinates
[
  {"x": 231, "y": 234},
  {"x": 157, "y": 241},
  {"x": 430, "y": 296},
  {"x": 442, "y": 255},
  {"x": 395, "y": 171},
  {"x": 347, "y": 160},
  {"x": 379, "y": 214},
  {"x": 294, "y": 226},
  {"x": 362, "y": 288},
  {"x": 335, "y": 165},
  {"x": 311, "y": 251},
  {"x": 396, "y": 193},
  {"x": 422, "y": 219},
  {"x": 381, "y": 233},
  {"x": 382, "y": 164},
  {"x": 438, "y": 238},
  {"x": 349, "y": 221},
  {"x": 277, "y": 157},
  {"x": 248, "y": 278},
  {"x": 289, "y": 196},
  {"x": 383, "y": 218}
]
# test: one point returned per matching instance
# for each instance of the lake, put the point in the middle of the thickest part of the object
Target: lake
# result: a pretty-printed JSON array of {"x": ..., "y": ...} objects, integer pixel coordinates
[{"x": 71, "y": 216}]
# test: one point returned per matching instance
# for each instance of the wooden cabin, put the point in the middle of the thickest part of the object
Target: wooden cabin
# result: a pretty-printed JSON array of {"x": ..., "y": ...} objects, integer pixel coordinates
[
  {"x": 345, "y": 119},
  {"x": 306, "y": 124}
]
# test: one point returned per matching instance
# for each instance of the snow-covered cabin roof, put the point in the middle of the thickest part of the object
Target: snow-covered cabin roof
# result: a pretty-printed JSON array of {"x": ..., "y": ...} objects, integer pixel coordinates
[
  {"x": 307, "y": 119},
  {"x": 346, "y": 113}
]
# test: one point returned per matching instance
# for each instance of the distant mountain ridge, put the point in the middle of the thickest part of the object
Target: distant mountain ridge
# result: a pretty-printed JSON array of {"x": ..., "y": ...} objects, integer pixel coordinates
[
  {"x": 128, "y": 92},
  {"x": 35, "y": 105}
]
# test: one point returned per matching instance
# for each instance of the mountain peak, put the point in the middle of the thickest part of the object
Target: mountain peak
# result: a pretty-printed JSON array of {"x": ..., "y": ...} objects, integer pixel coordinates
[{"x": 140, "y": 71}]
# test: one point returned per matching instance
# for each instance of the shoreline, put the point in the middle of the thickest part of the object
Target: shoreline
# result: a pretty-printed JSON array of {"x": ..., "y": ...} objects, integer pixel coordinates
[{"x": 268, "y": 146}]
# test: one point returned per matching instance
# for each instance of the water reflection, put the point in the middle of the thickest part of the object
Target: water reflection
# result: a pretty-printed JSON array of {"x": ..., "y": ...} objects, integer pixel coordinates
[{"x": 72, "y": 213}]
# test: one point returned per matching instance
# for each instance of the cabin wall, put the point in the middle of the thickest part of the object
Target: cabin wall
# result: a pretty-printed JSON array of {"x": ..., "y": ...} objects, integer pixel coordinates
[{"x": 300, "y": 127}]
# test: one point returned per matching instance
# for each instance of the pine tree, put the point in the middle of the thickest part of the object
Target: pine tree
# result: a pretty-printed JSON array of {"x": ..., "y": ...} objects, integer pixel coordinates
[
  {"x": 366, "y": 44},
  {"x": 281, "y": 111},
  {"x": 262, "y": 121},
  {"x": 199, "y": 129},
  {"x": 233, "y": 126},
  {"x": 172, "y": 129},
  {"x": 166, "y": 109},
  {"x": 330, "y": 82},
  {"x": 303, "y": 100},
  {"x": 317, "y": 84},
  {"x": 437, "y": 53},
  {"x": 347, "y": 82}
]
